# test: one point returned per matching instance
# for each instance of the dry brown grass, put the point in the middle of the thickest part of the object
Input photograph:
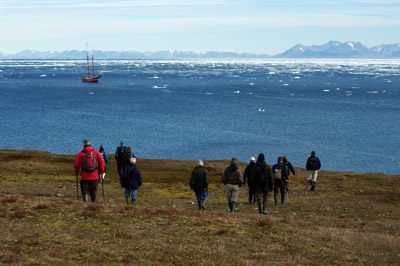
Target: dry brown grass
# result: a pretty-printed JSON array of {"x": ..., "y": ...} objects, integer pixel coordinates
[{"x": 351, "y": 219}]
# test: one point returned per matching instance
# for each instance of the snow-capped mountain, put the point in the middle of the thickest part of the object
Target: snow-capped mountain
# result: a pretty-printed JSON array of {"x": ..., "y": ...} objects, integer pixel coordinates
[{"x": 334, "y": 49}]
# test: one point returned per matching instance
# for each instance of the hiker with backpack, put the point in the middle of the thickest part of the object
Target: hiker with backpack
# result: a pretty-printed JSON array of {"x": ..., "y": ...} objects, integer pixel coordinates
[
  {"x": 91, "y": 164},
  {"x": 105, "y": 158},
  {"x": 250, "y": 181},
  {"x": 199, "y": 184},
  {"x": 281, "y": 177},
  {"x": 290, "y": 169},
  {"x": 131, "y": 179},
  {"x": 264, "y": 182},
  {"x": 119, "y": 157},
  {"x": 232, "y": 179},
  {"x": 312, "y": 166}
]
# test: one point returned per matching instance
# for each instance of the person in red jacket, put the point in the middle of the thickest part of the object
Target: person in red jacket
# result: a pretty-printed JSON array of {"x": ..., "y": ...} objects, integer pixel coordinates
[{"x": 91, "y": 164}]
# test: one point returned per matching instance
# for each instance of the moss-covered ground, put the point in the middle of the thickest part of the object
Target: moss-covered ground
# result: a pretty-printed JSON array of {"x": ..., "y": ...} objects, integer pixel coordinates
[{"x": 351, "y": 218}]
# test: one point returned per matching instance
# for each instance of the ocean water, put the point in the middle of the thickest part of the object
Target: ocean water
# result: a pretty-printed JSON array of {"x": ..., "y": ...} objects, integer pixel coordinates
[{"x": 346, "y": 110}]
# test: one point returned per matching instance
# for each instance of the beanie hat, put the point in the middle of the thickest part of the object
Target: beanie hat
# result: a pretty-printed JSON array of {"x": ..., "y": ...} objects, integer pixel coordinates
[
  {"x": 234, "y": 161},
  {"x": 86, "y": 143},
  {"x": 252, "y": 159},
  {"x": 261, "y": 157}
]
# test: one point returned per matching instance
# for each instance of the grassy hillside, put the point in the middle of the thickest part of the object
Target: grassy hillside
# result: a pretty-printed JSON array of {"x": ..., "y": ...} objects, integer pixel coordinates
[{"x": 351, "y": 218}]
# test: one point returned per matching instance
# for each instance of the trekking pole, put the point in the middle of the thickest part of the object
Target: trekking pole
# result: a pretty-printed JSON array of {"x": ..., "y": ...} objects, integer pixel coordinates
[
  {"x": 287, "y": 191},
  {"x": 77, "y": 190},
  {"x": 102, "y": 186}
]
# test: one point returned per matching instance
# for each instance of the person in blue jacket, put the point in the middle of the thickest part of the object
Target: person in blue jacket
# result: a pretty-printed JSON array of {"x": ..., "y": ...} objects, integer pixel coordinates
[
  {"x": 104, "y": 154},
  {"x": 131, "y": 179}
]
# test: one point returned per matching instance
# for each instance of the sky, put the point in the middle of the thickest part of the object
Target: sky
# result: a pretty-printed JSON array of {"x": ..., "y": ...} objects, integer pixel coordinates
[{"x": 254, "y": 26}]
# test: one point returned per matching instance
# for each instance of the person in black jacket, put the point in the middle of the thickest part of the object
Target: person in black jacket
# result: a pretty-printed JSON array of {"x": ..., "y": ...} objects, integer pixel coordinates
[
  {"x": 131, "y": 179},
  {"x": 250, "y": 181},
  {"x": 312, "y": 166},
  {"x": 264, "y": 182},
  {"x": 119, "y": 157},
  {"x": 280, "y": 178}
]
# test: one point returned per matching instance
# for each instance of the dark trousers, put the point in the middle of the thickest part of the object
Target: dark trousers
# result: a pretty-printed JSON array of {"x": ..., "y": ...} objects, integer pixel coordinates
[
  {"x": 89, "y": 187},
  {"x": 120, "y": 168},
  {"x": 279, "y": 186},
  {"x": 252, "y": 195}
]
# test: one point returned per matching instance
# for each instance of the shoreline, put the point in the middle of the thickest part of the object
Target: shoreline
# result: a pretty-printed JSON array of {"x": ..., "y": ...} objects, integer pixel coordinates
[{"x": 227, "y": 160}]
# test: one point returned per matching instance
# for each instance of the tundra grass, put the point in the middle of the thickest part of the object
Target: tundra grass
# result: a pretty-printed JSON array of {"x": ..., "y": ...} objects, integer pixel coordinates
[{"x": 351, "y": 218}]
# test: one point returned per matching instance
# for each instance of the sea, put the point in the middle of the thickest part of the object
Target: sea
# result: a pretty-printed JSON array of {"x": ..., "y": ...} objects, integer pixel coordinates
[{"x": 347, "y": 111}]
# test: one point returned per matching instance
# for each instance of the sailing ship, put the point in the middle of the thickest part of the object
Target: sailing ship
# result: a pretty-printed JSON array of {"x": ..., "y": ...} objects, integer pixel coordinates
[{"x": 90, "y": 77}]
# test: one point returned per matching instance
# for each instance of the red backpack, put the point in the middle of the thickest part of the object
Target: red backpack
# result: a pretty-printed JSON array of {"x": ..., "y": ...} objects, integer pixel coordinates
[{"x": 89, "y": 162}]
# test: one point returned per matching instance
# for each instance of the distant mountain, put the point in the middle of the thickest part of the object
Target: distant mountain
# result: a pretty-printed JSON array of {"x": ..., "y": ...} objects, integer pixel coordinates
[
  {"x": 387, "y": 49},
  {"x": 332, "y": 49},
  {"x": 75, "y": 54}
]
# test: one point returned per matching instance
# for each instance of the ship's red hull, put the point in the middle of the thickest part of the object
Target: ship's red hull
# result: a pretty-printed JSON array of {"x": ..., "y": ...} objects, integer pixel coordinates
[{"x": 90, "y": 80}]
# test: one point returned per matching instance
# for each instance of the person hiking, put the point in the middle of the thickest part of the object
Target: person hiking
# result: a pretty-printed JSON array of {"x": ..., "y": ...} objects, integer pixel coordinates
[
  {"x": 290, "y": 169},
  {"x": 128, "y": 154},
  {"x": 104, "y": 154},
  {"x": 280, "y": 173},
  {"x": 250, "y": 181},
  {"x": 264, "y": 182},
  {"x": 199, "y": 184},
  {"x": 131, "y": 179},
  {"x": 91, "y": 165},
  {"x": 232, "y": 179},
  {"x": 119, "y": 157},
  {"x": 312, "y": 166}
]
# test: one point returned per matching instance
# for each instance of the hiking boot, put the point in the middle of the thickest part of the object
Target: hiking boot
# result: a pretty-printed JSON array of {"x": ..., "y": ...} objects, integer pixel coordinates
[
  {"x": 260, "y": 208},
  {"x": 85, "y": 197},
  {"x": 230, "y": 206},
  {"x": 276, "y": 199},
  {"x": 133, "y": 201},
  {"x": 233, "y": 206},
  {"x": 265, "y": 208},
  {"x": 127, "y": 199},
  {"x": 202, "y": 203},
  {"x": 313, "y": 186}
]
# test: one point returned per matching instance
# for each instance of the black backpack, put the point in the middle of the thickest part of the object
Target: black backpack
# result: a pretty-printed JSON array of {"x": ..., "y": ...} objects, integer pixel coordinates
[
  {"x": 89, "y": 162},
  {"x": 121, "y": 153},
  {"x": 127, "y": 156},
  {"x": 313, "y": 163}
]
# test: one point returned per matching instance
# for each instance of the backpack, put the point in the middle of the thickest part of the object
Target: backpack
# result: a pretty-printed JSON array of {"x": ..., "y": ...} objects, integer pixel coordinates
[
  {"x": 313, "y": 163},
  {"x": 120, "y": 153},
  {"x": 89, "y": 162},
  {"x": 127, "y": 156},
  {"x": 278, "y": 172}
]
